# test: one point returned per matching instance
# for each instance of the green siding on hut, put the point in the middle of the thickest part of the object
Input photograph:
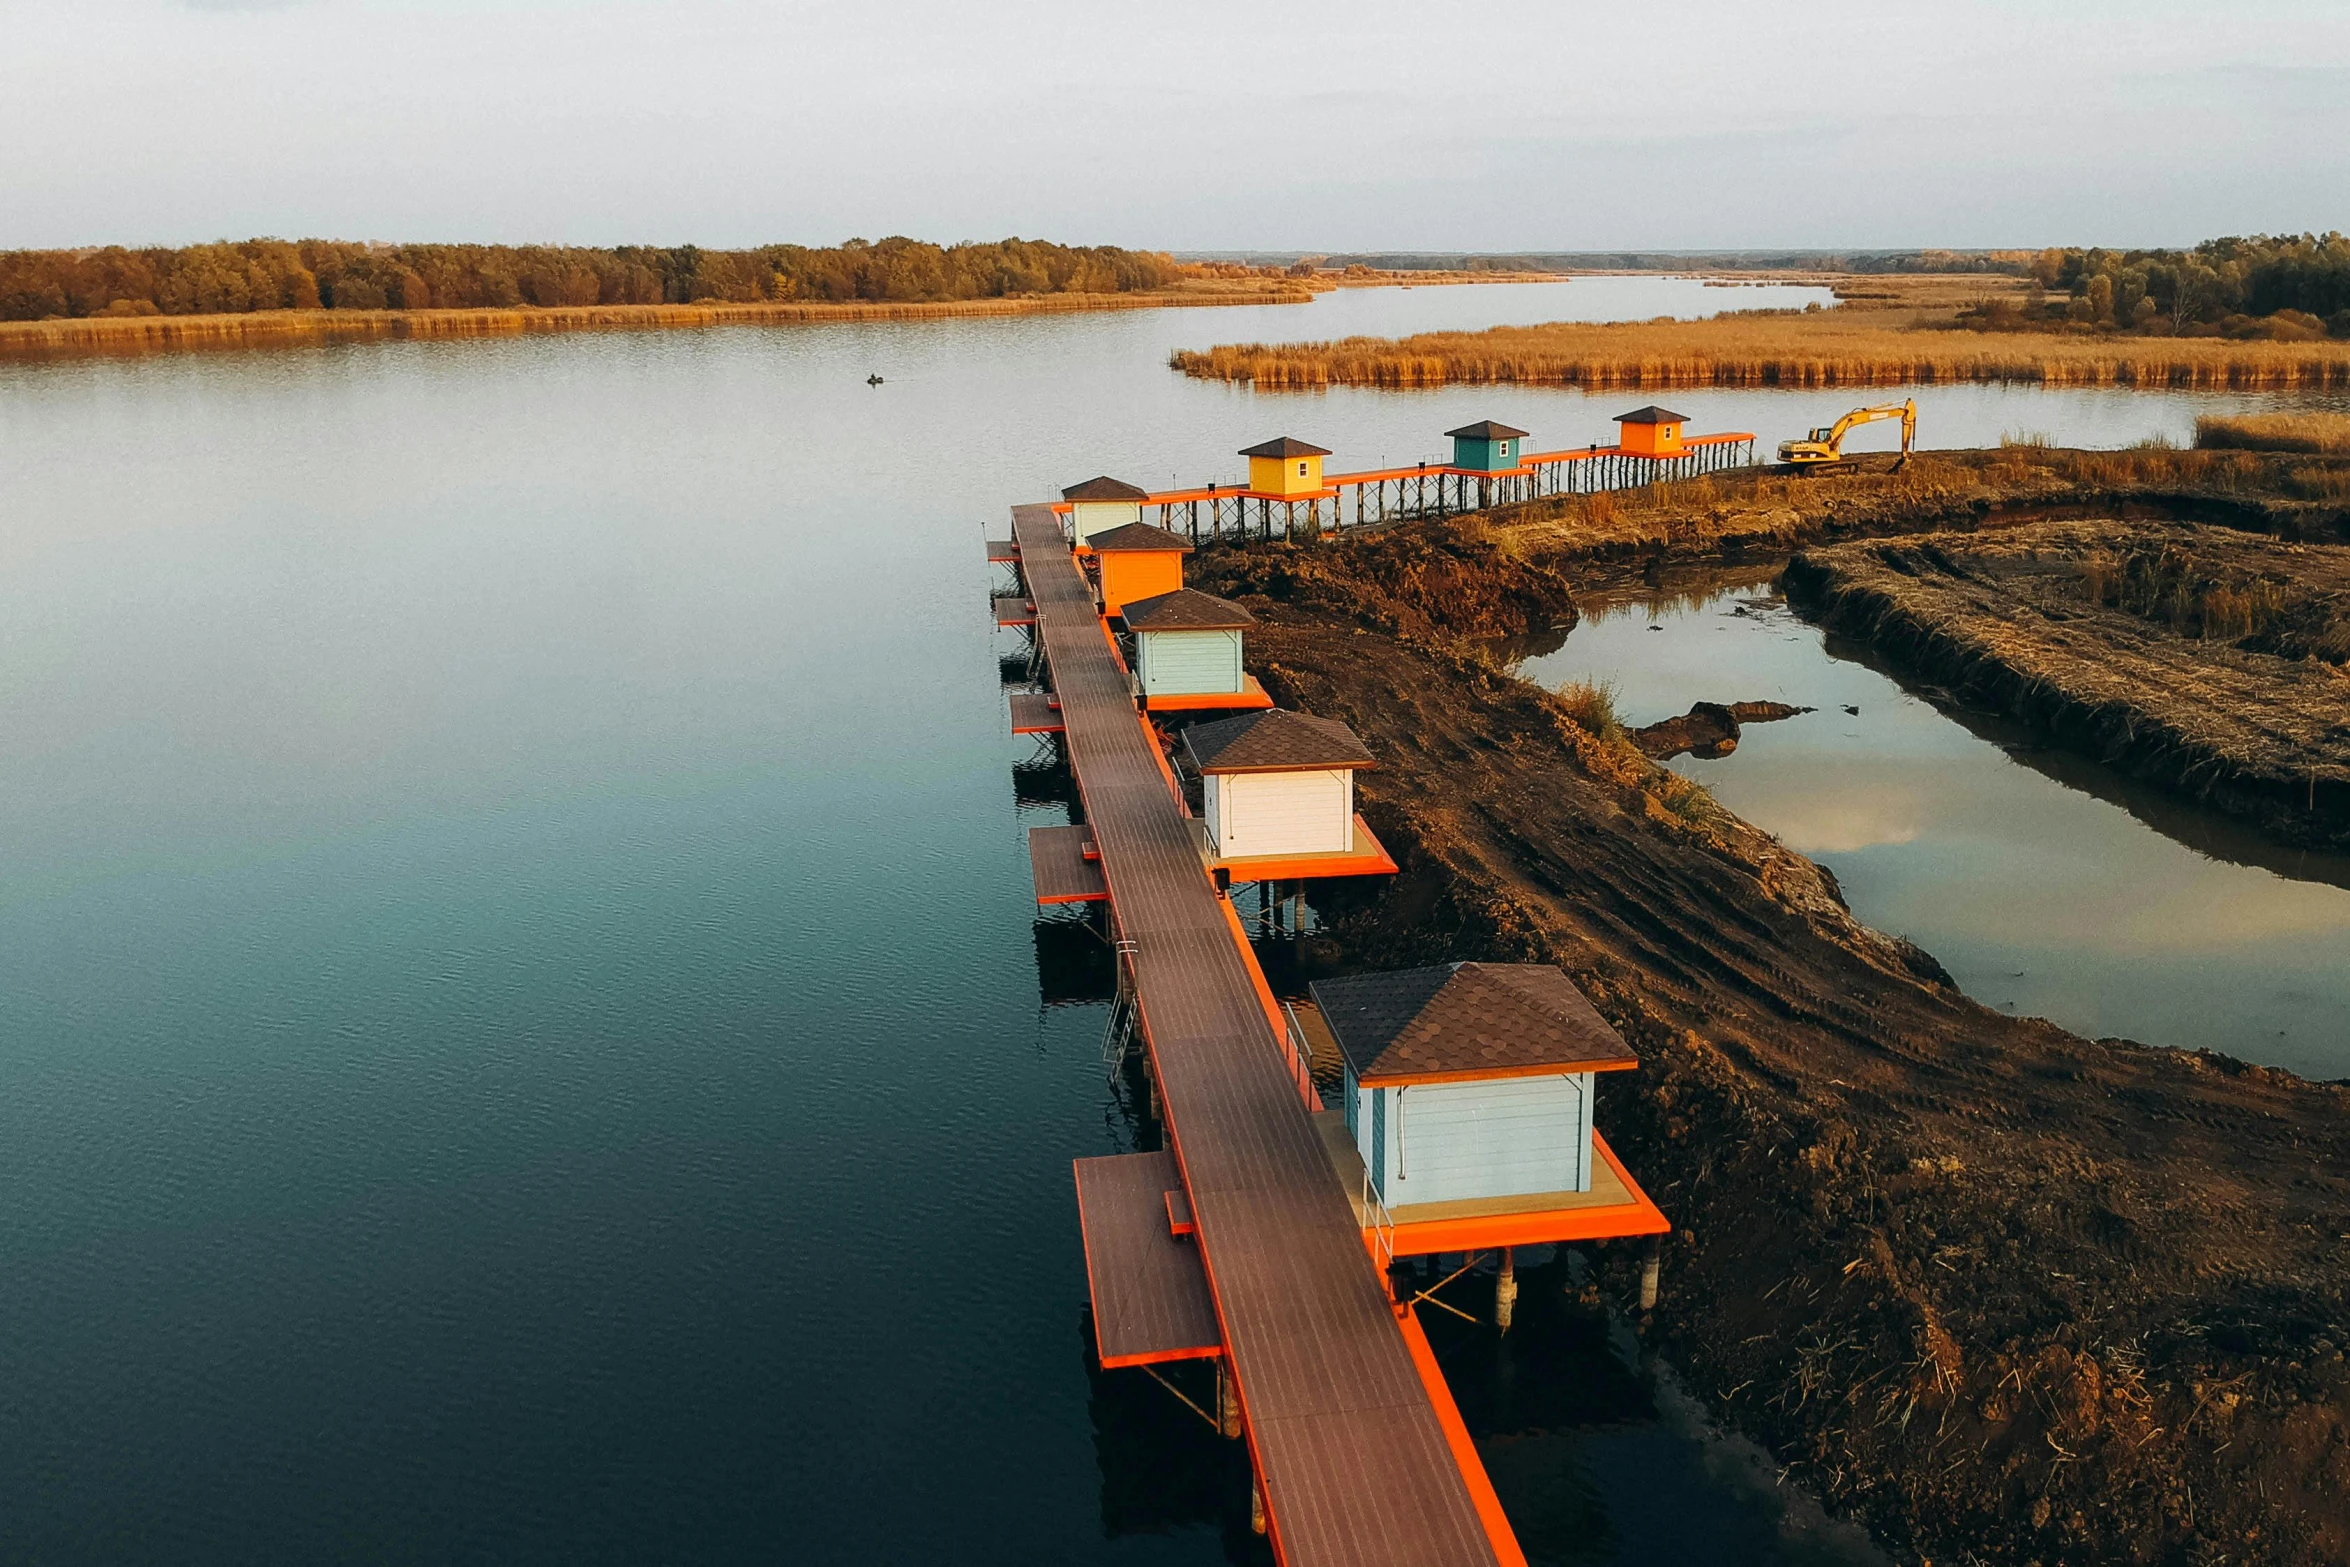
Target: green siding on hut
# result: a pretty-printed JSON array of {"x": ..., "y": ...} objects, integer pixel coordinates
[
  {"x": 1188, "y": 663},
  {"x": 1486, "y": 456}
]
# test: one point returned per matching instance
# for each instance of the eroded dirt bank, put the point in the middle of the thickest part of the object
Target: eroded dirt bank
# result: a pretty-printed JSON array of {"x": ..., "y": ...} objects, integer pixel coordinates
[
  {"x": 2205, "y": 659},
  {"x": 1990, "y": 1287}
]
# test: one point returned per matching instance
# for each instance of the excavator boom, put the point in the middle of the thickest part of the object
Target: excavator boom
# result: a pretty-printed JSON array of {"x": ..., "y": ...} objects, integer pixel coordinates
[{"x": 1825, "y": 448}]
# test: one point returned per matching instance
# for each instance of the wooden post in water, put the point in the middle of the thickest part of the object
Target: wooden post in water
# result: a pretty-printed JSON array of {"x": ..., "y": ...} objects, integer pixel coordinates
[
  {"x": 1505, "y": 1289},
  {"x": 1227, "y": 1400},
  {"x": 1650, "y": 1266}
]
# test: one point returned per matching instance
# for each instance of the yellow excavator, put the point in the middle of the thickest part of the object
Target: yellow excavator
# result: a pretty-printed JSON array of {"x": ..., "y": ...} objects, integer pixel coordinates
[{"x": 1823, "y": 450}]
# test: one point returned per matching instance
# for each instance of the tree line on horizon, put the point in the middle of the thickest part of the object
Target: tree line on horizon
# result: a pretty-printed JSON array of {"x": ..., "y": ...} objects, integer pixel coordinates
[
  {"x": 314, "y": 274},
  {"x": 2278, "y": 286}
]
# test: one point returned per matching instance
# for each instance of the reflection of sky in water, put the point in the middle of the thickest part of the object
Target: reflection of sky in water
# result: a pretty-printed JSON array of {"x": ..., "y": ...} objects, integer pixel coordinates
[{"x": 2037, "y": 897}]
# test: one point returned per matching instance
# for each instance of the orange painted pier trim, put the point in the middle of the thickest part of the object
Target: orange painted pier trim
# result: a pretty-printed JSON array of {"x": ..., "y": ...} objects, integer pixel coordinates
[
  {"x": 1373, "y": 861},
  {"x": 1332, "y": 483},
  {"x": 1301, "y": 1072},
  {"x": 1251, "y": 695},
  {"x": 1464, "y": 1448},
  {"x": 1617, "y": 1221}
]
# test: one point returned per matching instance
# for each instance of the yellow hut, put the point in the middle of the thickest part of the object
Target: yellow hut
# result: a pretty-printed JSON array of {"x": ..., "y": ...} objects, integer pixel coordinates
[
  {"x": 1651, "y": 432},
  {"x": 1287, "y": 469}
]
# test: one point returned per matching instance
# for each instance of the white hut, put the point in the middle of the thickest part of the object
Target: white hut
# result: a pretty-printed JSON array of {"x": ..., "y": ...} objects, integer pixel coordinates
[
  {"x": 1470, "y": 1081},
  {"x": 1277, "y": 783},
  {"x": 1100, "y": 504}
]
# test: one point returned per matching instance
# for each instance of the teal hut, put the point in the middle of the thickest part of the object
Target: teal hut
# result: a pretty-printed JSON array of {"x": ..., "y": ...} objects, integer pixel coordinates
[{"x": 1486, "y": 447}]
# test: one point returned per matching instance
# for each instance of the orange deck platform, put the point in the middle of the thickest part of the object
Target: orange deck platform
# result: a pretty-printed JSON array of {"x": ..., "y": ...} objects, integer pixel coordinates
[
  {"x": 1013, "y": 610},
  {"x": 1357, "y": 1466},
  {"x": 1250, "y": 696},
  {"x": 1364, "y": 855},
  {"x": 1615, "y": 1207}
]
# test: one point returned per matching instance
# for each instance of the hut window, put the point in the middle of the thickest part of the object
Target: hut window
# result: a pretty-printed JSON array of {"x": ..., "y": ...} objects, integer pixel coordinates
[{"x": 1301, "y": 470}]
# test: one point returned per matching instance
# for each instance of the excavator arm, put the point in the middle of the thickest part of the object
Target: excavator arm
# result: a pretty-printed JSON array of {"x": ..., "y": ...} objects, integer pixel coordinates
[{"x": 1826, "y": 447}]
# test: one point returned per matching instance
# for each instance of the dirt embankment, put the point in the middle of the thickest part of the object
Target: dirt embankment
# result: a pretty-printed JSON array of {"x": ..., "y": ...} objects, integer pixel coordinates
[
  {"x": 2205, "y": 659},
  {"x": 1987, "y": 1286},
  {"x": 1764, "y": 514}
]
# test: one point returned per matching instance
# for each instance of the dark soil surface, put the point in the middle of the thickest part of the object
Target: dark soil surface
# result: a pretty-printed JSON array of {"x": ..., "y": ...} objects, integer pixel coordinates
[
  {"x": 1996, "y": 1291},
  {"x": 2206, "y": 659}
]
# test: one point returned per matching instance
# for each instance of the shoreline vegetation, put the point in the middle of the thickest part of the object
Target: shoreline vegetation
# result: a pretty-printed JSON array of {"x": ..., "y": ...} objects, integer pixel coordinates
[
  {"x": 269, "y": 292},
  {"x": 1996, "y": 1291},
  {"x": 2238, "y": 315},
  {"x": 282, "y": 328}
]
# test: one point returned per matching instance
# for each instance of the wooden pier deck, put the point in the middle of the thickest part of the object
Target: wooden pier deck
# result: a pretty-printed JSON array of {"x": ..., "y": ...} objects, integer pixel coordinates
[{"x": 1357, "y": 1466}]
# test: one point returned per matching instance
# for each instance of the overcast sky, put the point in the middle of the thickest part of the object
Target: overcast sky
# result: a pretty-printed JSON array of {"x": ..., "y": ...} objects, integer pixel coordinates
[{"x": 1195, "y": 125}]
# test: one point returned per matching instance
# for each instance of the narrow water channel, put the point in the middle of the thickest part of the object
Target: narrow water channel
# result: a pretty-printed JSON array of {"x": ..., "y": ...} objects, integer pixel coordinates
[{"x": 2046, "y": 885}]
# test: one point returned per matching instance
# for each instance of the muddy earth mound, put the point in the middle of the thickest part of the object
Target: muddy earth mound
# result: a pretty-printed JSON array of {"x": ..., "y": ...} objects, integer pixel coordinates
[
  {"x": 1996, "y": 1291},
  {"x": 2205, "y": 659}
]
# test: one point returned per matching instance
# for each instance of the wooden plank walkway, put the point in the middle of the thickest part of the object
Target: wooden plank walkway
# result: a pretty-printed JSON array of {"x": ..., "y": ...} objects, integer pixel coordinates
[{"x": 1356, "y": 1466}]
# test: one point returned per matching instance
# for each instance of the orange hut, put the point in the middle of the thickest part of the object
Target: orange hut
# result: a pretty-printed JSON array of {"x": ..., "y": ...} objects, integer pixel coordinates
[
  {"x": 1651, "y": 432},
  {"x": 1136, "y": 561}
]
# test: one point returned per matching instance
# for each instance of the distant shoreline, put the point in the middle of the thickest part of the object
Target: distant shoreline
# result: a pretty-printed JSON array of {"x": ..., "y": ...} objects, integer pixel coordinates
[
  {"x": 86, "y": 336},
  {"x": 1910, "y": 330}
]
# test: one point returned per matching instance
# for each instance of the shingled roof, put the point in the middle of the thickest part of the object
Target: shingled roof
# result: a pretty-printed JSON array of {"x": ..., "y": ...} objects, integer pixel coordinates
[
  {"x": 1287, "y": 446},
  {"x": 1137, "y": 536},
  {"x": 1652, "y": 414},
  {"x": 1186, "y": 609},
  {"x": 1486, "y": 430},
  {"x": 1104, "y": 488},
  {"x": 1467, "y": 1020},
  {"x": 1273, "y": 741}
]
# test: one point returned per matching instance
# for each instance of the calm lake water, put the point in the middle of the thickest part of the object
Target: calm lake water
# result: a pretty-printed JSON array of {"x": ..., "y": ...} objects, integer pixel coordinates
[{"x": 521, "y": 1035}]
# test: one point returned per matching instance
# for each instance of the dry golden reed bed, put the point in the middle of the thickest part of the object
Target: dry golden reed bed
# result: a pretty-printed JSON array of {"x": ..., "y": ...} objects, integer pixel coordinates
[
  {"x": 2316, "y": 433},
  {"x": 273, "y": 328},
  {"x": 1788, "y": 349}
]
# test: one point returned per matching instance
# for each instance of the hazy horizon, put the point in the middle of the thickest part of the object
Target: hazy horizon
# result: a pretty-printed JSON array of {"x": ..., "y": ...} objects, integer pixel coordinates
[{"x": 1321, "y": 128}]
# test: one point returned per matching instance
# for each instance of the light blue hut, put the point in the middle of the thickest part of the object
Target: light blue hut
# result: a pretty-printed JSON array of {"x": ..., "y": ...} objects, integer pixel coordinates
[{"x": 1470, "y": 1081}]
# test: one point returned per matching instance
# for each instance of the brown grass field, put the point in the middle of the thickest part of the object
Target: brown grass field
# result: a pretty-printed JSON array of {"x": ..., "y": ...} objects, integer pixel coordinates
[
  {"x": 2327, "y": 434},
  {"x": 280, "y": 328},
  {"x": 1890, "y": 332}
]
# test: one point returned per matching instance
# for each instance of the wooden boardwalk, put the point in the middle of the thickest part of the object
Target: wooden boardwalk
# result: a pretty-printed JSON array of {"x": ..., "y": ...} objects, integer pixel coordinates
[{"x": 1356, "y": 1466}]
